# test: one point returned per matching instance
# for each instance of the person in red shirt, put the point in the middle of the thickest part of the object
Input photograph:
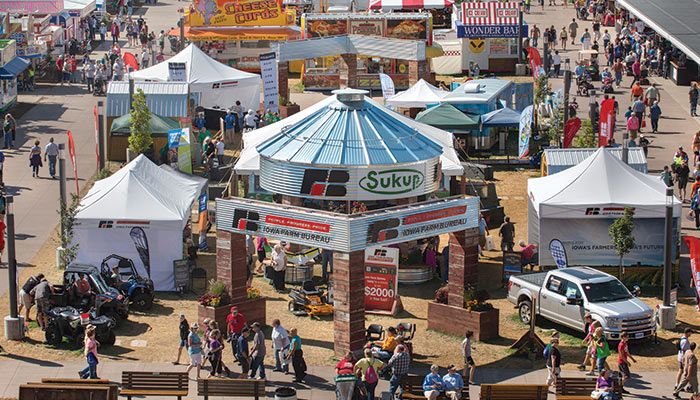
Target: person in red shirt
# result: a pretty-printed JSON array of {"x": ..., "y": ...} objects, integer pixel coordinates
[
  {"x": 73, "y": 68},
  {"x": 528, "y": 253},
  {"x": 345, "y": 379},
  {"x": 623, "y": 354},
  {"x": 59, "y": 68},
  {"x": 2, "y": 238},
  {"x": 235, "y": 322}
]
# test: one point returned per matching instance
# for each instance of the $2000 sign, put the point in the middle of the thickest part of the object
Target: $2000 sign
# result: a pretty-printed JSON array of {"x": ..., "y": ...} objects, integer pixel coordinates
[{"x": 381, "y": 278}]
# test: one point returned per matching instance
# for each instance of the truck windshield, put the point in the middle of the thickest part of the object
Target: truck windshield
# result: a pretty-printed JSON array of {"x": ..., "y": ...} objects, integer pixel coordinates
[{"x": 606, "y": 291}]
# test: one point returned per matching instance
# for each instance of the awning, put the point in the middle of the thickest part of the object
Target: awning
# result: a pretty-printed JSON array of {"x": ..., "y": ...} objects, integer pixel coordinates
[
  {"x": 13, "y": 68},
  {"x": 248, "y": 33},
  {"x": 409, "y": 4},
  {"x": 501, "y": 117},
  {"x": 31, "y": 7}
]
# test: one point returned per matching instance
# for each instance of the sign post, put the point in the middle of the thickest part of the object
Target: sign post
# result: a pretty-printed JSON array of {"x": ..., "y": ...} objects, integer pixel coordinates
[{"x": 381, "y": 280}]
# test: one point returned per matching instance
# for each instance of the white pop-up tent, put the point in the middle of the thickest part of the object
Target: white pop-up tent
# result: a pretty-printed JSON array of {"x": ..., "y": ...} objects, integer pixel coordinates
[
  {"x": 218, "y": 85},
  {"x": 577, "y": 206},
  {"x": 138, "y": 213},
  {"x": 419, "y": 95}
]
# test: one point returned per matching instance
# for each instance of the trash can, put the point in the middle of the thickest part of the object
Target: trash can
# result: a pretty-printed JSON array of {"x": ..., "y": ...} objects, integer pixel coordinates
[{"x": 285, "y": 393}]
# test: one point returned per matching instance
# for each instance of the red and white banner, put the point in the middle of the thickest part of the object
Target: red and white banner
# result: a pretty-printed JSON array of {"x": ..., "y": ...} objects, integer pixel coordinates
[
  {"x": 570, "y": 130},
  {"x": 409, "y": 4},
  {"x": 606, "y": 123},
  {"x": 694, "y": 247},
  {"x": 71, "y": 151},
  {"x": 381, "y": 278},
  {"x": 490, "y": 13}
]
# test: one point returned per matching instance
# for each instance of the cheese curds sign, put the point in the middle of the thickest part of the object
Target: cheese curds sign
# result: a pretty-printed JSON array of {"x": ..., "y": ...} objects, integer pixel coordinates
[{"x": 239, "y": 13}]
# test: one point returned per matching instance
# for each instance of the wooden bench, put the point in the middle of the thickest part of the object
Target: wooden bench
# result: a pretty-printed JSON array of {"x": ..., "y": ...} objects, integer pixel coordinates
[
  {"x": 503, "y": 391},
  {"x": 412, "y": 386},
  {"x": 248, "y": 388},
  {"x": 44, "y": 391},
  {"x": 169, "y": 384},
  {"x": 113, "y": 386},
  {"x": 580, "y": 388}
]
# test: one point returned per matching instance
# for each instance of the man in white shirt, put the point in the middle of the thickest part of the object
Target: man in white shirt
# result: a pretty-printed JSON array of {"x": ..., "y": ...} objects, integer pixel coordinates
[
  {"x": 556, "y": 63},
  {"x": 280, "y": 343},
  {"x": 249, "y": 121},
  {"x": 219, "y": 151},
  {"x": 51, "y": 151}
]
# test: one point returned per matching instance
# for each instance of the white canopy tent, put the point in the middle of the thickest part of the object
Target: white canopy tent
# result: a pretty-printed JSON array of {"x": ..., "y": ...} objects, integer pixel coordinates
[
  {"x": 138, "y": 213},
  {"x": 217, "y": 84},
  {"x": 249, "y": 160},
  {"x": 578, "y": 205},
  {"x": 419, "y": 95}
]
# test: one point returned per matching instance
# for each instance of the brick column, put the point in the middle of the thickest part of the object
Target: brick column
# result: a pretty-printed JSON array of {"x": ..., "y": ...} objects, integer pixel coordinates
[
  {"x": 463, "y": 262},
  {"x": 418, "y": 70},
  {"x": 349, "y": 301},
  {"x": 283, "y": 78},
  {"x": 348, "y": 71},
  {"x": 231, "y": 264}
]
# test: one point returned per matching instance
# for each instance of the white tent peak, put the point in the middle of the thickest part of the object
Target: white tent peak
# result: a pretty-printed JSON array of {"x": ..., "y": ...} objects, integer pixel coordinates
[
  {"x": 141, "y": 191},
  {"x": 418, "y": 95}
]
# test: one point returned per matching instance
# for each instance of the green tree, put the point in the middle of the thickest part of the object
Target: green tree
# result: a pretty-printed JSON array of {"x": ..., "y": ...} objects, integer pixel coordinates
[
  {"x": 586, "y": 139},
  {"x": 621, "y": 237},
  {"x": 140, "y": 139},
  {"x": 67, "y": 219}
]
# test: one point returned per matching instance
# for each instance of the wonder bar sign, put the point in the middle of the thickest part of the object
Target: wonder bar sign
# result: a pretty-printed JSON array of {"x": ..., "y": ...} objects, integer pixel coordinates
[
  {"x": 343, "y": 232},
  {"x": 373, "y": 183}
]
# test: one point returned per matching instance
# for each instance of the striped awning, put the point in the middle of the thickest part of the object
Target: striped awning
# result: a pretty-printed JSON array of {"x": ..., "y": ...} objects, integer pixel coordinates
[
  {"x": 31, "y": 7},
  {"x": 409, "y": 4}
]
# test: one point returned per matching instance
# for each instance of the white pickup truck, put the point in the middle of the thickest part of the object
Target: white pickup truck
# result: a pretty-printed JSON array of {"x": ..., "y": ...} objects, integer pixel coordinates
[{"x": 565, "y": 295}]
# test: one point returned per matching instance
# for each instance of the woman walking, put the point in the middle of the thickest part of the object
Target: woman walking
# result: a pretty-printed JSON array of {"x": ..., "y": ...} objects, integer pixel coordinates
[
  {"x": 184, "y": 332},
  {"x": 7, "y": 133},
  {"x": 297, "y": 356},
  {"x": 194, "y": 349},
  {"x": 279, "y": 266},
  {"x": 90, "y": 352},
  {"x": 35, "y": 159},
  {"x": 215, "y": 353}
]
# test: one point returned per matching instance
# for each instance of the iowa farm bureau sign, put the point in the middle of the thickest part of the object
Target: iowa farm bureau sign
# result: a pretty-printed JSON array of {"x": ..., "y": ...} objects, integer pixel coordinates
[{"x": 378, "y": 183}]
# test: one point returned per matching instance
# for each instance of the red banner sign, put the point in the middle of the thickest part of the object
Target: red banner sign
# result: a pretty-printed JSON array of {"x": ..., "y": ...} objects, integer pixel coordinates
[
  {"x": 694, "y": 247},
  {"x": 97, "y": 136},
  {"x": 570, "y": 130},
  {"x": 535, "y": 61},
  {"x": 381, "y": 278},
  {"x": 71, "y": 151},
  {"x": 607, "y": 120},
  {"x": 297, "y": 223}
]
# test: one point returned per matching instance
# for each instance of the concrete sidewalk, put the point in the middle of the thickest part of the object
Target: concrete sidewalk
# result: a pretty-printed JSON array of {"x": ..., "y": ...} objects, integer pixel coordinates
[{"x": 18, "y": 370}]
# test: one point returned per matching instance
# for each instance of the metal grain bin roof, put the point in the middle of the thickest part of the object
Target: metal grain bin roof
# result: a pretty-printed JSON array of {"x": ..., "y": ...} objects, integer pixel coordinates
[
  {"x": 558, "y": 160},
  {"x": 167, "y": 99},
  {"x": 350, "y": 131}
]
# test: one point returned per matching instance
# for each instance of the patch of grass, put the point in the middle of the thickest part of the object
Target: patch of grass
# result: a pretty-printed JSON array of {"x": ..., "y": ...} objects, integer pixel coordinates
[
  {"x": 514, "y": 317},
  {"x": 33, "y": 325}
]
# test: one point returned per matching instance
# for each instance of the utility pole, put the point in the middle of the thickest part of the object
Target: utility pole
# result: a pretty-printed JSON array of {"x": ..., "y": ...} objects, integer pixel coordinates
[
  {"x": 14, "y": 324},
  {"x": 567, "y": 90},
  {"x": 62, "y": 182},
  {"x": 181, "y": 42},
  {"x": 520, "y": 32},
  {"x": 100, "y": 135},
  {"x": 668, "y": 311}
]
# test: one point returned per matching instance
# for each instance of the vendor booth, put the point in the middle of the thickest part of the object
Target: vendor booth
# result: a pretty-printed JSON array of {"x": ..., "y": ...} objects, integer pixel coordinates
[
  {"x": 577, "y": 206},
  {"x": 216, "y": 84},
  {"x": 419, "y": 95},
  {"x": 139, "y": 213}
]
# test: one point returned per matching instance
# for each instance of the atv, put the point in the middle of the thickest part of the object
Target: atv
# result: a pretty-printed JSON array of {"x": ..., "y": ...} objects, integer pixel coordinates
[
  {"x": 123, "y": 276},
  {"x": 309, "y": 300},
  {"x": 69, "y": 323}
]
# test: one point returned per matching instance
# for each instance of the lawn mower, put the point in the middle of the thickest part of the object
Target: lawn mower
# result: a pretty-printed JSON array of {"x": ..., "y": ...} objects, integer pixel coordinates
[{"x": 309, "y": 300}]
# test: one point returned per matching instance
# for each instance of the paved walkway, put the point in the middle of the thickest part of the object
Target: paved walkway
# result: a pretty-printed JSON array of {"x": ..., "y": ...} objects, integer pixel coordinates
[{"x": 16, "y": 371}]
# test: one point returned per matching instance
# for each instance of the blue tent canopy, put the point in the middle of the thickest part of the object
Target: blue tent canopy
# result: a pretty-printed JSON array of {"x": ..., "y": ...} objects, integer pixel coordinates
[
  {"x": 501, "y": 117},
  {"x": 13, "y": 68}
]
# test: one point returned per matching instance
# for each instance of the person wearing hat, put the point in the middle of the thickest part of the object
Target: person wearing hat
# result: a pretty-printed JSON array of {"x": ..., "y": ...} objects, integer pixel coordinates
[
  {"x": 235, "y": 323},
  {"x": 644, "y": 144},
  {"x": 249, "y": 121},
  {"x": 230, "y": 123},
  {"x": 453, "y": 383},
  {"x": 194, "y": 349},
  {"x": 258, "y": 352}
]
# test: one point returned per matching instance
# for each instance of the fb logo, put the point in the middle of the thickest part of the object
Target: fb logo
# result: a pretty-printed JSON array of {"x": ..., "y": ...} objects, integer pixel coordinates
[
  {"x": 380, "y": 231},
  {"x": 380, "y": 252},
  {"x": 593, "y": 211},
  {"x": 245, "y": 220},
  {"x": 105, "y": 224},
  {"x": 324, "y": 182}
]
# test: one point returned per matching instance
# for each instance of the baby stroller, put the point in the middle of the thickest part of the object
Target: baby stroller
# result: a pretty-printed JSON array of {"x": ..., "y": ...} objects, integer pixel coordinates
[
  {"x": 99, "y": 87},
  {"x": 584, "y": 85},
  {"x": 608, "y": 84}
]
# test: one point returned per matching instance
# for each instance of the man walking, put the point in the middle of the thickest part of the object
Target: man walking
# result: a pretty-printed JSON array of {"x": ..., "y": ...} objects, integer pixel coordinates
[
  {"x": 280, "y": 343},
  {"x": 235, "y": 322},
  {"x": 693, "y": 96},
  {"x": 534, "y": 35},
  {"x": 690, "y": 372},
  {"x": 399, "y": 364},
  {"x": 623, "y": 355},
  {"x": 51, "y": 151},
  {"x": 683, "y": 345},
  {"x": 553, "y": 363},
  {"x": 654, "y": 115},
  {"x": 258, "y": 352},
  {"x": 507, "y": 234},
  {"x": 556, "y": 62},
  {"x": 573, "y": 27}
]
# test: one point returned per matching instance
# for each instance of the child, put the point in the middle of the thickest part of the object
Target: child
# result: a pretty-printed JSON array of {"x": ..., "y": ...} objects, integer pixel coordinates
[
  {"x": 468, "y": 360},
  {"x": 623, "y": 353}
]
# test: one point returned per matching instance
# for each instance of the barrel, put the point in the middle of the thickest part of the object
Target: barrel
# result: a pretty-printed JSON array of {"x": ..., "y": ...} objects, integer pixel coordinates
[
  {"x": 415, "y": 275},
  {"x": 285, "y": 393}
]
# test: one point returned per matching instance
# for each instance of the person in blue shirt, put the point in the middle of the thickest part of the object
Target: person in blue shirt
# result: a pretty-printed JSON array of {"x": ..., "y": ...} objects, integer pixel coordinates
[
  {"x": 199, "y": 121},
  {"x": 654, "y": 114},
  {"x": 230, "y": 123},
  {"x": 453, "y": 383},
  {"x": 243, "y": 354},
  {"x": 432, "y": 384}
]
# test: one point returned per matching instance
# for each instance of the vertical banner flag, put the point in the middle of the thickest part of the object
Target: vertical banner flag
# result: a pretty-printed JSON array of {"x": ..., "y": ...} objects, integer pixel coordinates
[
  {"x": 268, "y": 72},
  {"x": 524, "y": 132},
  {"x": 607, "y": 116},
  {"x": 180, "y": 153},
  {"x": 387, "y": 86},
  {"x": 71, "y": 151},
  {"x": 694, "y": 248},
  {"x": 535, "y": 62},
  {"x": 130, "y": 61},
  {"x": 556, "y": 247},
  {"x": 381, "y": 278},
  {"x": 202, "y": 209},
  {"x": 97, "y": 135},
  {"x": 570, "y": 130}
]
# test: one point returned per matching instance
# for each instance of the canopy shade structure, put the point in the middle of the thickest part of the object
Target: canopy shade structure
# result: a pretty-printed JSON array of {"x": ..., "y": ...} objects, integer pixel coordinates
[
  {"x": 409, "y": 4},
  {"x": 218, "y": 85},
  {"x": 13, "y": 68},
  {"x": 40, "y": 7},
  {"x": 417, "y": 96},
  {"x": 501, "y": 117},
  {"x": 79, "y": 8},
  {"x": 446, "y": 116},
  {"x": 159, "y": 125},
  {"x": 139, "y": 213}
]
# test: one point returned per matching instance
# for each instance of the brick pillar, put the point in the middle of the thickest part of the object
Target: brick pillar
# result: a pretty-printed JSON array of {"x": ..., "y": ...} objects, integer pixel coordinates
[
  {"x": 231, "y": 264},
  {"x": 463, "y": 262},
  {"x": 418, "y": 70},
  {"x": 349, "y": 301},
  {"x": 348, "y": 71},
  {"x": 283, "y": 78}
]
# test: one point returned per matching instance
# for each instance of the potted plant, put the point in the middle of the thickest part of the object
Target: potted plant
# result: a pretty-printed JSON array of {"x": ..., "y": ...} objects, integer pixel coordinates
[
  {"x": 474, "y": 313},
  {"x": 214, "y": 304},
  {"x": 288, "y": 107}
]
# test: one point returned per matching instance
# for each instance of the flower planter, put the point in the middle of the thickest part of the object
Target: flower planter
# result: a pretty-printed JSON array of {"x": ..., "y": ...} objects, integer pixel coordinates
[
  {"x": 291, "y": 109},
  {"x": 253, "y": 310},
  {"x": 457, "y": 320}
]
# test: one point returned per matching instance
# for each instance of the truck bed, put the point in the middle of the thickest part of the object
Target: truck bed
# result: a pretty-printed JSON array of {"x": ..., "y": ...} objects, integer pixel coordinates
[{"x": 536, "y": 278}]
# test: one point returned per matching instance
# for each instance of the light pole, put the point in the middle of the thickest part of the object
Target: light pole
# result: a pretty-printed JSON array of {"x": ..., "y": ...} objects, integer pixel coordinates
[
  {"x": 667, "y": 316},
  {"x": 63, "y": 205},
  {"x": 14, "y": 324}
]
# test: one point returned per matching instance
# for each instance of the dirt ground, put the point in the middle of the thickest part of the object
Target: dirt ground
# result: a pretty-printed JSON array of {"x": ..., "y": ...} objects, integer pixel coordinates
[{"x": 158, "y": 327}]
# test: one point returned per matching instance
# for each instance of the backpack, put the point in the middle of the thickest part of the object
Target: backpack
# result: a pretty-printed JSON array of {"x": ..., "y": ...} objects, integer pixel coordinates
[
  {"x": 547, "y": 351},
  {"x": 371, "y": 374}
]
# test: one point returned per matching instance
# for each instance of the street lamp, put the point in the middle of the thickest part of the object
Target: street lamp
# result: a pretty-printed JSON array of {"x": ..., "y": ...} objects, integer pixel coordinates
[
  {"x": 14, "y": 324},
  {"x": 667, "y": 316}
]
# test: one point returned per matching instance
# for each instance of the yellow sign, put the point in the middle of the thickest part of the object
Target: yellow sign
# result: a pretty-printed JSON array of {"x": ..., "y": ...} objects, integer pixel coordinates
[
  {"x": 477, "y": 46},
  {"x": 240, "y": 13}
]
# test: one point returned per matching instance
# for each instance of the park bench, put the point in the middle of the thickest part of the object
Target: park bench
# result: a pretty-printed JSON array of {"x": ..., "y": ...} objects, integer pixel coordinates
[
  {"x": 44, "y": 391},
  {"x": 113, "y": 386},
  {"x": 248, "y": 388},
  {"x": 504, "y": 391},
  {"x": 580, "y": 388},
  {"x": 412, "y": 386},
  {"x": 168, "y": 384}
]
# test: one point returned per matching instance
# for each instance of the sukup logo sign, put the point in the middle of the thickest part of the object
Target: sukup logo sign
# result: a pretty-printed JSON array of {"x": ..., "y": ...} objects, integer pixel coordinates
[{"x": 393, "y": 181}]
